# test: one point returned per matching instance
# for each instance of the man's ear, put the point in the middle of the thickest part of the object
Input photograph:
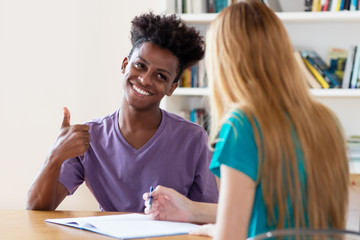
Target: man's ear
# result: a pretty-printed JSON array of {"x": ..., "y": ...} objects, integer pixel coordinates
[
  {"x": 172, "y": 89},
  {"x": 124, "y": 64}
]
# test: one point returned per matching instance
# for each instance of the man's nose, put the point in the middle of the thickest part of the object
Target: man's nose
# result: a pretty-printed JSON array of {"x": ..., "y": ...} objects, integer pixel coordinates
[{"x": 145, "y": 79}]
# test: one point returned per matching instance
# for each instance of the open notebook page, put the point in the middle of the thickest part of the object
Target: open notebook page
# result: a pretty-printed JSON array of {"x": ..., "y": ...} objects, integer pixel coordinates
[{"x": 126, "y": 226}]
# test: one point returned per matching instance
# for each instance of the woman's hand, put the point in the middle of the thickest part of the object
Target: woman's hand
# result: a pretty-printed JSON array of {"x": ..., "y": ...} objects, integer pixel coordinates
[{"x": 204, "y": 230}]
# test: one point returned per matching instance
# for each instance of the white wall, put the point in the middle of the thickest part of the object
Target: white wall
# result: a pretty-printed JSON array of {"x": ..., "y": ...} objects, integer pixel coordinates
[{"x": 55, "y": 54}]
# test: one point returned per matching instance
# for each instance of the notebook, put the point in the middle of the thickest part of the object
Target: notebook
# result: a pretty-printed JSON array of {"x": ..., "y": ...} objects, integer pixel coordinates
[{"x": 126, "y": 226}]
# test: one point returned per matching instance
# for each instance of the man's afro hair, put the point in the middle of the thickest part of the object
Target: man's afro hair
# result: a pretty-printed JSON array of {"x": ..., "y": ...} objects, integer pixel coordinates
[{"x": 171, "y": 33}]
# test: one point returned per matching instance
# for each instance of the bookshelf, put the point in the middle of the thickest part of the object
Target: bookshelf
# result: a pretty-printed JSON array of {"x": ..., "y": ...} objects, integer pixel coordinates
[
  {"x": 185, "y": 99},
  {"x": 308, "y": 31}
]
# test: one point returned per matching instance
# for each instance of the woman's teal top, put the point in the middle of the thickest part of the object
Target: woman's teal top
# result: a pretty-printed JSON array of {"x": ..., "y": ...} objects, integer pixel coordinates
[{"x": 236, "y": 148}]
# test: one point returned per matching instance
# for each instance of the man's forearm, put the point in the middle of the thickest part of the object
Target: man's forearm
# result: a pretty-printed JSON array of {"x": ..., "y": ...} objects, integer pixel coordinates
[
  {"x": 42, "y": 193},
  {"x": 204, "y": 212}
]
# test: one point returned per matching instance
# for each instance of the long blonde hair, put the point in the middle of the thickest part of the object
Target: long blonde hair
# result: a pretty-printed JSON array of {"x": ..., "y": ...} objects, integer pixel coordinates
[{"x": 251, "y": 66}]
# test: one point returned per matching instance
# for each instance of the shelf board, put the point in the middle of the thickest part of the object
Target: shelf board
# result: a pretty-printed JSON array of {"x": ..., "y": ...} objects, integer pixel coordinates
[
  {"x": 181, "y": 91},
  {"x": 354, "y": 167},
  {"x": 336, "y": 92},
  {"x": 286, "y": 17},
  {"x": 341, "y": 16},
  {"x": 199, "y": 17}
]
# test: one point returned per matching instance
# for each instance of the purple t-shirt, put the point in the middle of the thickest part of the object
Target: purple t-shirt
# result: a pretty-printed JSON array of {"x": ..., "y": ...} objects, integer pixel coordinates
[{"x": 117, "y": 174}]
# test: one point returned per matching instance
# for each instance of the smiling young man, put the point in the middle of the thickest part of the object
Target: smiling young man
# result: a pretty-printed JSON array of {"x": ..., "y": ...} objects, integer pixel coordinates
[{"x": 140, "y": 145}]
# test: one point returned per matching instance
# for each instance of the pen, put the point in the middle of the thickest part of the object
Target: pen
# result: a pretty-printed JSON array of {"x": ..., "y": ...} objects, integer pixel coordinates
[{"x": 150, "y": 197}]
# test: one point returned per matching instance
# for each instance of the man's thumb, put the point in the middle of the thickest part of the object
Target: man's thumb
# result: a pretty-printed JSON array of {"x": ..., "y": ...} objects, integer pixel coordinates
[{"x": 66, "y": 120}]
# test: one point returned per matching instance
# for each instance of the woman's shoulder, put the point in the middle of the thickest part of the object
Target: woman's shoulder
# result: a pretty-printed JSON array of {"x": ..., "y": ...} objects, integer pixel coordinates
[
  {"x": 237, "y": 126},
  {"x": 237, "y": 118}
]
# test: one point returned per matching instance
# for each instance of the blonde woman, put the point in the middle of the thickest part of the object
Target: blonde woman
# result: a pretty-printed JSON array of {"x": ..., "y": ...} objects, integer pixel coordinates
[{"x": 280, "y": 154}]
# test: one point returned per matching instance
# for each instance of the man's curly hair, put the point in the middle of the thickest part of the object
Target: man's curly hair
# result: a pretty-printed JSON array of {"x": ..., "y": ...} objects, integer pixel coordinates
[{"x": 171, "y": 33}]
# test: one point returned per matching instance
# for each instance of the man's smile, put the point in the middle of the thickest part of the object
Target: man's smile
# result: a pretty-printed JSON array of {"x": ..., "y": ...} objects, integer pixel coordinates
[{"x": 140, "y": 91}]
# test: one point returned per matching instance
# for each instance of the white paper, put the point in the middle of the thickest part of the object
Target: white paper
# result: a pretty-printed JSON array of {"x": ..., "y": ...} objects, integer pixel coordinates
[{"x": 126, "y": 226}]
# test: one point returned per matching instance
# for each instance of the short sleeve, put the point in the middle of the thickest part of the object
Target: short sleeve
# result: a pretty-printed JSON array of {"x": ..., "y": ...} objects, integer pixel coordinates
[
  {"x": 71, "y": 174},
  {"x": 236, "y": 147},
  {"x": 204, "y": 188}
]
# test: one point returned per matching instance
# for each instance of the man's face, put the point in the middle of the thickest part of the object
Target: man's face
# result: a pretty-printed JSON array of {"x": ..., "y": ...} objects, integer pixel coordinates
[{"x": 149, "y": 76}]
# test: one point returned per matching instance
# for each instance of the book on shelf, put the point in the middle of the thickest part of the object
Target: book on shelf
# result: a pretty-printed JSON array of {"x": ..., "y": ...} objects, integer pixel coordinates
[
  {"x": 288, "y": 6},
  {"x": 187, "y": 6},
  {"x": 215, "y": 6},
  {"x": 308, "y": 5},
  {"x": 185, "y": 80},
  {"x": 316, "y": 5},
  {"x": 325, "y": 5},
  {"x": 316, "y": 74},
  {"x": 220, "y": 5},
  {"x": 194, "y": 76},
  {"x": 345, "y": 5},
  {"x": 353, "y": 147},
  {"x": 197, "y": 115},
  {"x": 336, "y": 60},
  {"x": 349, "y": 67},
  {"x": 354, "y": 5},
  {"x": 319, "y": 64},
  {"x": 210, "y": 6},
  {"x": 331, "y": 5},
  {"x": 274, "y": 5},
  {"x": 202, "y": 77},
  {"x": 354, "y": 82},
  {"x": 190, "y": 6},
  {"x": 335, "y": 5},
  {"x": 311, "y": 80},
  {"x": 196, "y": 6},
  {"x": 342, "y": 4}
]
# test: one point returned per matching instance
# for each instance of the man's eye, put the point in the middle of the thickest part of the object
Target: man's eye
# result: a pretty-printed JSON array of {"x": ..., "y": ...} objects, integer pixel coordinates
[
  {"x": 161, "y": 76},
  {"x": 139, "y": 65}
]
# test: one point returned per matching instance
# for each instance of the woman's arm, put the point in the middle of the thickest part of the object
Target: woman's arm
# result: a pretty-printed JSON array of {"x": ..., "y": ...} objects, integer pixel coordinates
[{"x": 237, "y": 193}]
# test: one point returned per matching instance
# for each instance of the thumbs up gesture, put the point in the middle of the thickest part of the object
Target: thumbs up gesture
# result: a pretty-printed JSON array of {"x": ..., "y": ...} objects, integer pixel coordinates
[
  {"x": 73, "y": 140},
  {"x": 66, "y": 120}
]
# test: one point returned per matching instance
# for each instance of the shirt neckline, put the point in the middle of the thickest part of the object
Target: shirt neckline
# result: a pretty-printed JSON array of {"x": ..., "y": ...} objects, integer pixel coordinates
[{"x": 148, "y": 143}]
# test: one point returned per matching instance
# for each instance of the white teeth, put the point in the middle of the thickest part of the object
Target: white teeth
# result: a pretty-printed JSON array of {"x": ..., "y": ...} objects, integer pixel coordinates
[{"x": 142, "y": 92}]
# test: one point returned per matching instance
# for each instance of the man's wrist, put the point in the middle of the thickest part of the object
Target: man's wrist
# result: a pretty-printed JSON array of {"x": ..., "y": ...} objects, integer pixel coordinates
[{"x": 201, "y": 212}]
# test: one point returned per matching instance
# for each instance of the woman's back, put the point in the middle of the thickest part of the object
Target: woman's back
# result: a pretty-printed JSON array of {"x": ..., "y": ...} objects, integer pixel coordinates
[{"x": 252, "y": 67}]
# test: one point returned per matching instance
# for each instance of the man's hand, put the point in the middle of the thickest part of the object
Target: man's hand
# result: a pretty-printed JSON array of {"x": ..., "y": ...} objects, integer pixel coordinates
[
  {"x": 46, "y": 193},
  {"x": 168, "y": 204},
  {"x": 73, "y": 140}
]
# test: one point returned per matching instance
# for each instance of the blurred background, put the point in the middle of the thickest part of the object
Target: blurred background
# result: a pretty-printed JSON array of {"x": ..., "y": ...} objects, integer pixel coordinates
[{"x": 53, "y": 54}]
